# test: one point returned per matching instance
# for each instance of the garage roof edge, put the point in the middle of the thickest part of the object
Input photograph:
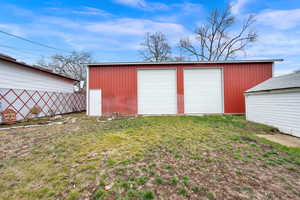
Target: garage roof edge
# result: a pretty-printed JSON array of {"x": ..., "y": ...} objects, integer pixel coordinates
[
  {"x": 288, "y": 81},
  {"x": 184, "y": 62},
  {"x": 36, "y": 68}
]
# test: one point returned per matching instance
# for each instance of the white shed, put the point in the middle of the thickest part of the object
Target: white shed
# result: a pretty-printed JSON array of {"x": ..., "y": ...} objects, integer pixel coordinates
[
  {"x": 24, "y": 88},
  {"x": 18, "y": 75},
  {"x": 276, "y": 102}
]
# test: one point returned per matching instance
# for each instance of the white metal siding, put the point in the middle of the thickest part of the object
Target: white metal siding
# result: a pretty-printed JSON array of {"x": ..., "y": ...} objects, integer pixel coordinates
[
  {"x": 203, "y": 91},
  {"x": 95, "y": 102},
  {"x": 157, "y": 91},
  {"x": 14, "y": 76},
  {"x": 281, "y": 110}
]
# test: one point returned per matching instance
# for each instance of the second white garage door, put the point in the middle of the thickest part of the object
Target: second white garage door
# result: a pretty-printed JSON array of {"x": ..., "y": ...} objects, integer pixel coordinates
[
  {"x": 157, "y": 92},
  {"x": 203, "y": 91}
]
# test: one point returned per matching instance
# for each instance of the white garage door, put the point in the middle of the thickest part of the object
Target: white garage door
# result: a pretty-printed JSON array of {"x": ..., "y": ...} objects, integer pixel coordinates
[
  {"x": 157, "y": 92},
  {"x": 203, "y": 91}
]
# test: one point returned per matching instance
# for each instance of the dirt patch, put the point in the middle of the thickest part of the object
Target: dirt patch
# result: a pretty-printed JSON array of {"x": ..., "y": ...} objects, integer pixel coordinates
[
  {"x": 283, "y": 139},
  {"x": 19, "y": 139},
  {"x": 206, "y": 175}
]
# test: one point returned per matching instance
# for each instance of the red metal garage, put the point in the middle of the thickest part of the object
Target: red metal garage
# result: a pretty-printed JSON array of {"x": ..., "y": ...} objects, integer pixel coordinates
[{"x": 173, "y": 87}]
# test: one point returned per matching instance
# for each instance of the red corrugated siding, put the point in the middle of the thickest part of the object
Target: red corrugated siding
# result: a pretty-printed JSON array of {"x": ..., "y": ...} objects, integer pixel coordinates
[
  {"x": 238, "y": 79},
  {"x": 119, "y": 88},
  {"x": 119, "y": 84},
  {"x": 180, "y": 90}
]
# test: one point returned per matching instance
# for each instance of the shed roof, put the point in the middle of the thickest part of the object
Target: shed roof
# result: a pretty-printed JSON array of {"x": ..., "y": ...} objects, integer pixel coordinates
[
  {"x": 12, "y": 60},
  {"x": 183, "y": 62},
  {"x": 280, "y": 82}
]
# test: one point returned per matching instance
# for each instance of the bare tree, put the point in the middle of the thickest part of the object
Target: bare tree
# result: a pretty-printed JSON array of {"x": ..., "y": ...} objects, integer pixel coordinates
[
  {"x": 216, "y": 39},
  {"x": 70, "y": 65},
  {"x": 155, "y": 48}
]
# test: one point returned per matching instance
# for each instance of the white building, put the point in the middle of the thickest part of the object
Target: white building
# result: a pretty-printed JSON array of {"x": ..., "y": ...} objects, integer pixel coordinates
[
  {"x": 23, "y": 87},
  {"x": 276, "y": 102},
  {"x": 17, "y": 75}
]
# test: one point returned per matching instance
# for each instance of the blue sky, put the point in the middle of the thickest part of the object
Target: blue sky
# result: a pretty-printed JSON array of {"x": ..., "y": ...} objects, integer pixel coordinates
[{"x": 113, "y": 29}]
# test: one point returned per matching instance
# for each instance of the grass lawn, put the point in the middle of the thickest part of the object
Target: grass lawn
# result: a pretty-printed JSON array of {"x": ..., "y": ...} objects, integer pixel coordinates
[{"x": 169, "y": 157}]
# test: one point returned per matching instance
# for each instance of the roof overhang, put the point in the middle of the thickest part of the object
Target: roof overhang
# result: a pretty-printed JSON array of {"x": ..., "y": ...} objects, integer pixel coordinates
[
  {"x": 276, "y": 90},
  {"x": 184, "y": 63}
]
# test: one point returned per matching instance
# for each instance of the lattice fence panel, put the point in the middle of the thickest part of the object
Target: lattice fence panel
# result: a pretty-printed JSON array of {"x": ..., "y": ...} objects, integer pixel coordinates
[{"x": 22, "y": 101}]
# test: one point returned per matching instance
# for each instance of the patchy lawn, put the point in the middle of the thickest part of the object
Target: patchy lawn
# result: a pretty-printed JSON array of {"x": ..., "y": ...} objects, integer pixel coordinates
[{"x": 180, "y": 157}]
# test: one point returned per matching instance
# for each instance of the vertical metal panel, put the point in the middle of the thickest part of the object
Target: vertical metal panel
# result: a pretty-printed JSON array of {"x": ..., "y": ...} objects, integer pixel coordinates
[
  {"x": 119, "y": 89},
  {"x": 180, "y": 90},
  {"x": 240, "y": 77},
  {"x": 119, "y": 84}
]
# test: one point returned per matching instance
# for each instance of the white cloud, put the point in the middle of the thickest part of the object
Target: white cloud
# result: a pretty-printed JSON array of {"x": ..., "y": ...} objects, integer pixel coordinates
[
  {"x": 107, "y": 35},
  {"x": 286, "y": 67},
  {"x": 190, "y": 8},
  {"x": 87, "y": 42},
  {"x": 280, "y": 72},
  {"x": 142, "y": 4},
  {"x": 278, "y": 32},
  {"x": 280, "y": 19},
  {"x": 132, "y": 26},
  {"x": 12, "y": 28},
  {"x": 182, "y": 12},
  {"x": 116, "y": 27},
  {"x": 275, "y": 44},
  {"x": 59, "y": 21},
  {"x": 157, "y": 6},
  {"x": 237, "y": 6},
  {"x": 84, "y": 10},
  {"x": 91, "y": 11},
  {"x": 132, "y": 3}
]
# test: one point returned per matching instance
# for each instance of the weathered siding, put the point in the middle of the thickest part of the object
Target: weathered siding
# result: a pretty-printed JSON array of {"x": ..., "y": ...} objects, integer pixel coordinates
[
  {"x": 119, "y": 84},
  {"x": 13, "y": 76},
  {"x": 279, "y": 109}
]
